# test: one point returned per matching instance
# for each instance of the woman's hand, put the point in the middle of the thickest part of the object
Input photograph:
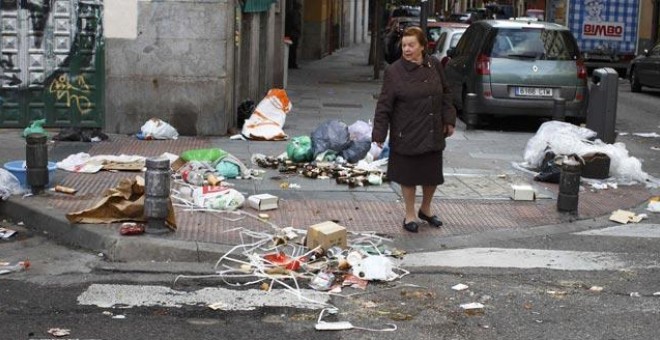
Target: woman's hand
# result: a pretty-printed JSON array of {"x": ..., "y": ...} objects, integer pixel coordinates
[{"x": 448, "y": 130}]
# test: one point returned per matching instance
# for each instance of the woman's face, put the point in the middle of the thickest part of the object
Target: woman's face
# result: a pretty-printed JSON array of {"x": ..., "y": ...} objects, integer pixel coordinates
[{"x": 412, "y": 49}]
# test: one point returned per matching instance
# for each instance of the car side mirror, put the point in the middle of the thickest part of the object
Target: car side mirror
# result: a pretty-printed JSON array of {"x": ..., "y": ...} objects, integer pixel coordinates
[{"x": 451, "y": 52}]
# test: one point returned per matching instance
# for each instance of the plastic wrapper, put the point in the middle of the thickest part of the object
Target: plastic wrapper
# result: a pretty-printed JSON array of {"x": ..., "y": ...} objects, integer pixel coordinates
[
  {"x": 330, "y": 135},
  {"x": 36, "y": 126},
  {"x": 554, "y": 135},
  {"x": 211, "y": 155},
  {"x": 228, "y": 169},
  {"x": 9, "y": 184}
]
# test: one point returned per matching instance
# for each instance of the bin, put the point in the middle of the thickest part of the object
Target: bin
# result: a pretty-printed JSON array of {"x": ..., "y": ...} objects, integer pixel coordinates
[{"x": 601, "y": 109}]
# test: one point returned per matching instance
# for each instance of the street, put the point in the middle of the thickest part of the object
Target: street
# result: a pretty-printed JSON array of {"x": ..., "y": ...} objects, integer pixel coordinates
[{"x": 535, "y": 283}]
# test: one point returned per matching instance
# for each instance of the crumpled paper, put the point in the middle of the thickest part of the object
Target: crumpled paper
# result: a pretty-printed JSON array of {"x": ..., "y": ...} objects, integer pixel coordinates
[{"x": 125, "y": 202}]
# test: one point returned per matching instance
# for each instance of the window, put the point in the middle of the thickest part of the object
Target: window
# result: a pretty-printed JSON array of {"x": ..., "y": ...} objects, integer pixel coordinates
[{"x": 534, "y": 43}]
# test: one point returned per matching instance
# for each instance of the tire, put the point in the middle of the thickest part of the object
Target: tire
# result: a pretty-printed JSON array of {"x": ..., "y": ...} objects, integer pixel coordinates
[{"x": 635, "y": 86}]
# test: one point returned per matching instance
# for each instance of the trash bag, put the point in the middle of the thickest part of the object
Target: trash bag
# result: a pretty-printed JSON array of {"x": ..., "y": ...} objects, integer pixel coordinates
[
  {"x": 231, "y": 200},
  {"x": 211, "y": 155},
  {"x": 360, "y": 130},
  {"x": 36, "y": 126},
  {"x": 228, "y": 169},
  {"x": 330, "y": 135},
  {"x": 267, "y": 120},
  {"x": 356, "y": 150},
  {"x": 9, "y": 184},
  {"x": 244, "y": 111},
  {"x": 299, "y": 149},
  {"x": 76, "y": 134},
  {"x": 155, "y": 128},
  {"x": 550, "y": 170}
]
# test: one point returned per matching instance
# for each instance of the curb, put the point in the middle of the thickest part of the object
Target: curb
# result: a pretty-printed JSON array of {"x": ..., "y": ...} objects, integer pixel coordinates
[{"x": 105, "y": 239}]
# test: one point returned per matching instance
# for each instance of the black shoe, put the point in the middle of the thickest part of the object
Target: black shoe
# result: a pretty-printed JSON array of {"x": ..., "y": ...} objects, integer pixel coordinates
[
  {"x": 410, "y": 226},
  {"x": 433, "y": 220}
]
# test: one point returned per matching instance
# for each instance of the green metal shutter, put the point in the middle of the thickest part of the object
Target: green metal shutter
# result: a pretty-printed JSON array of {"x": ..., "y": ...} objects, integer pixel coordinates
[{"x": 254, "y": 6}]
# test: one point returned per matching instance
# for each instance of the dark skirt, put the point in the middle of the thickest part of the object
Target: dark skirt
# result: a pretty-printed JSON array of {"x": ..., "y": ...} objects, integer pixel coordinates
[{"x": 424, "y": 169}]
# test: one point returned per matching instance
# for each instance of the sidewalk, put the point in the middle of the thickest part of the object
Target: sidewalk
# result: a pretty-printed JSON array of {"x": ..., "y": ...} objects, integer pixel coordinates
[{"x": 475, "y": 198}]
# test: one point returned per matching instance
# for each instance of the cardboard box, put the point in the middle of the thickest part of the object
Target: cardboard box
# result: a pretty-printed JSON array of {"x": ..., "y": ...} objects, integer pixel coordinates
[
  {"x": 263, "y": 202},
  {"x": 177, "y": 164},
  {"x": 327, "y": 234},
  {"x": 522, "y": 193}
]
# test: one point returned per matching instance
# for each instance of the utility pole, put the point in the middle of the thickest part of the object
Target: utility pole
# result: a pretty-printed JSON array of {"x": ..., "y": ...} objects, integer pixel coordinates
[
  {"x": 376, "y": 35},
  {"x": 654, "y": 25}
]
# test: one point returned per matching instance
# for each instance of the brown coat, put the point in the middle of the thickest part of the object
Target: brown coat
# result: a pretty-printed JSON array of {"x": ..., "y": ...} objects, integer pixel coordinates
[{"x": 414, "y": 105}]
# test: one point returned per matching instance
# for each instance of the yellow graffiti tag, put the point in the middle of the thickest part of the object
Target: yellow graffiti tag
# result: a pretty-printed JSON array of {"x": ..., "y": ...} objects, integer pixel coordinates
[{"x": 62, "y": 88}]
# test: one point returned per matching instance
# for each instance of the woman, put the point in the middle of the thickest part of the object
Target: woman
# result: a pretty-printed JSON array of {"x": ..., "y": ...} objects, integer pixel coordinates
[{"x": 415, "y": 107}]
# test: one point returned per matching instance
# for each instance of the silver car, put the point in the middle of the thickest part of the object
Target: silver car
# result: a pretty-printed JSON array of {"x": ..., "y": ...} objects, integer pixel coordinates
[
  {"x": 509, "y": 67},
  {"x": 448, "y": 38}
]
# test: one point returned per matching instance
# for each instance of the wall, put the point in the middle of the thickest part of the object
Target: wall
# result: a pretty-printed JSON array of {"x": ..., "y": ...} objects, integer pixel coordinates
[
  {"x": 169, "y": 59},
  {"x": 315, "y": 29}
]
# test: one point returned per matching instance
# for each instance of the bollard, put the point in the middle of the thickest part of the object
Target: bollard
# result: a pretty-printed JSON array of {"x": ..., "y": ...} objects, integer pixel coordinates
[
  {"x": 559, "y": 109},
  {"x": 469, "y": 108},
  {"x": 569, "y": 185},
  {"x": 36, "y": 161},
  {"x": 157, "y": 195}
]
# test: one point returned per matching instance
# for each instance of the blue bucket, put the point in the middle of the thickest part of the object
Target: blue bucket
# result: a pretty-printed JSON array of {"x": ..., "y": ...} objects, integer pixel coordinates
[{"x": 17, "y": 168}]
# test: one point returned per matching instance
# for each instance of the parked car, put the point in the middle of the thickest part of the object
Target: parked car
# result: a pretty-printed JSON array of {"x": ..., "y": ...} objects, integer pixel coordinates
[
  {"x": 645, "y": 70},
  {"x": 435, "y": 30},
  {"x": 516, "y": 68},
  {"x": 392, "y": 37},
  {"x": 448, "y": 38}
]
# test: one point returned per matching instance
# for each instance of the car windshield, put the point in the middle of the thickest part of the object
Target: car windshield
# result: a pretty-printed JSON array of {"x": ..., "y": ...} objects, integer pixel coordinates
[{"x": 534, "y": 43}]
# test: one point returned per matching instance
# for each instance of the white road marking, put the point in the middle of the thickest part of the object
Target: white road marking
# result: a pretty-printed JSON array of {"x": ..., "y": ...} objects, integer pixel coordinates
[
  {"x": 525, "y": 259},
  {"x": 641, "y": 230},
  {"x": 127, "y": 296}
]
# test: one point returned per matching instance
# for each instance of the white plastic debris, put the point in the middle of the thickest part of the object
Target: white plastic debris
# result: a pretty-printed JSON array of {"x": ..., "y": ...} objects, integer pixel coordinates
[
  {"x": 59, "y": 332},
  {"x": 459, "y": 287},
  {"x": 596, "y": 289},
  {"x": 473, "y": 307},
  {"x": 656, "y": 294},
  {"x": 654, "y": 205},
  {"x": 156, "y": 128},
  {"x": 377, "y": 268},
  {"x": 635, "y": 294},
  {"x": 646, "y": 134}
]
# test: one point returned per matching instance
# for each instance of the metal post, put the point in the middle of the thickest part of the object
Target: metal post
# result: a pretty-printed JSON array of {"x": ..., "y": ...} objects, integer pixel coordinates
[
  {"x": 559, "y": 109},
  {"x": 424, "y": 16},
  {"x": 569, "y": 185},
  {"x": 376, "y": 34},
  {"x": 36, "y": 160},
  {"x": 157, "y": 195}
]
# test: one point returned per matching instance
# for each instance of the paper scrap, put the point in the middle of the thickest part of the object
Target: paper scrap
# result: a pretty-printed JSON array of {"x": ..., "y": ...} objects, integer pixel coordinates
[
  {"x": 460, "y": 287},
  {"x": 646, "y": 134},
  {"x": 624, "y": 217},
  {"x": 472, "y": 305},
  {"x": 635, "y": 294},
  {"x": 6, "y": 233},
  {"x": 596, "y": 289},
  {"x": 58, "y": 332},
  {"x": 654, "y": 204}
]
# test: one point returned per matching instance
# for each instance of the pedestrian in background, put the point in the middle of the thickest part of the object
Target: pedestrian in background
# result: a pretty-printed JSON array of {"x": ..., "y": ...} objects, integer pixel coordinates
[
  {"x": 415, "y": 106},
  {"x": 292, "y": 29}
]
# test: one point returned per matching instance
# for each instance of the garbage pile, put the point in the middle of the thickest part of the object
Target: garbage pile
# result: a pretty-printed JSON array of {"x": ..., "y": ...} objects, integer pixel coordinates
[
  {"x": 555, "y": 140},
  {"x": 325, "y": 257},
  {"x": 334, "y": 150}
]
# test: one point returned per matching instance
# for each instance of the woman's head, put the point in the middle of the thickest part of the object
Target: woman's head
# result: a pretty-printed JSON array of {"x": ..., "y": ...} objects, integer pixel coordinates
[{"x": 413, "y": 43}]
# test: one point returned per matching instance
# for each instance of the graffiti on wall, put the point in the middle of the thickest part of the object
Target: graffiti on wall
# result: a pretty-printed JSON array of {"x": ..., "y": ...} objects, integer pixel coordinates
[{"x": 50, "y": 45}]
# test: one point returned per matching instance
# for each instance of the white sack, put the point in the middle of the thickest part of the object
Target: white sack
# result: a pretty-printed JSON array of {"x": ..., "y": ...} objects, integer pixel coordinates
[{"x": 267, "y": 120}]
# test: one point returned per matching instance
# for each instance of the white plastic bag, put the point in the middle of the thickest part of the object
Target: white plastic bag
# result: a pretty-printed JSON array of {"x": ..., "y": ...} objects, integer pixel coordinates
[
  {"x": 554, "y": 134},
  {"x": 267, "y": 120},
  {"x": 155, "y": 128},
  {"x": 360, "y": 130},
  {"x": 9, "y": 184}
]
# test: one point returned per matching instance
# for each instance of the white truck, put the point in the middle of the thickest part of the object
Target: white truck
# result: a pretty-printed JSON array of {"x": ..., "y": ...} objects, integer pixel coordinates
[{"x": 606, "y": 30}]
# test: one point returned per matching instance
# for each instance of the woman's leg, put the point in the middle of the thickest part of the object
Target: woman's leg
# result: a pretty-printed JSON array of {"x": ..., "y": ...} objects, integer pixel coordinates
[
  {"x": 409, "y": 200},
  {"x": 427, "y": 197}
]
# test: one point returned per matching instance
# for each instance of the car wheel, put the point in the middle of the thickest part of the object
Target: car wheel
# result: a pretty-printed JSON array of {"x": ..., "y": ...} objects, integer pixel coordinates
[{"x": 635, "y": 86}]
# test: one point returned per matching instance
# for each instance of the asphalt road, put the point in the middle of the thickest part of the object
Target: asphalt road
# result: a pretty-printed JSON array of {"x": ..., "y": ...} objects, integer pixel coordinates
[{"x": 537, "y": 303}]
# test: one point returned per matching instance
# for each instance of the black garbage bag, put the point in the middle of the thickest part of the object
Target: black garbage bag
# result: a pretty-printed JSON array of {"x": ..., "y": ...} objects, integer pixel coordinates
[
  {"x": 244, "y": 111},
  {"x": 550, "y": 170},
  {"x": 77, "y": 134},
  {"x": 356, "y": 150},
  {"x": 330, "y": 135}
]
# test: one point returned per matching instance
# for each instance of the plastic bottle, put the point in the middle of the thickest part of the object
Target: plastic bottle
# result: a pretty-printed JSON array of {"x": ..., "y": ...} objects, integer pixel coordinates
[{"x": 6, "y": 268}]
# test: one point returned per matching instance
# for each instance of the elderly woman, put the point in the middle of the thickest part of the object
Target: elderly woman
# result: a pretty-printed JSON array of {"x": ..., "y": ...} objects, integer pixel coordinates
[{"x": 415, "y": 107}]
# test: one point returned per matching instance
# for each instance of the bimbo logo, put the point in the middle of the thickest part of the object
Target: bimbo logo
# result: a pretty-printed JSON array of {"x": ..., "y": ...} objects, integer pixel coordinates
[{"x": 602, "y": 30}]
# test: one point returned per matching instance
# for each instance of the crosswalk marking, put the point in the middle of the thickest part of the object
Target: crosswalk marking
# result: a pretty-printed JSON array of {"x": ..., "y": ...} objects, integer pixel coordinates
[
  {"x": 127, "y": 296},
  {"x": 641, "y": 230},
  {"x": 526, "y": 259}
]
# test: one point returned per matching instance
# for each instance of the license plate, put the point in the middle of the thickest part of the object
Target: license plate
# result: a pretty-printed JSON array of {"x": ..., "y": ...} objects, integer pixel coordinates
[{"x": 533, "y": 92}]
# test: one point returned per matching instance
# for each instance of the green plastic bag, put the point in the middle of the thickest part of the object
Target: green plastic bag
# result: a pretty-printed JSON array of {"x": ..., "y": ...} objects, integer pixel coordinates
[
  {"x": 299, "y": 149},
  {"x": 204, "y": 155},
  {"x": 36, "y": 126},
  {"x": 228, "y": 169}
]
